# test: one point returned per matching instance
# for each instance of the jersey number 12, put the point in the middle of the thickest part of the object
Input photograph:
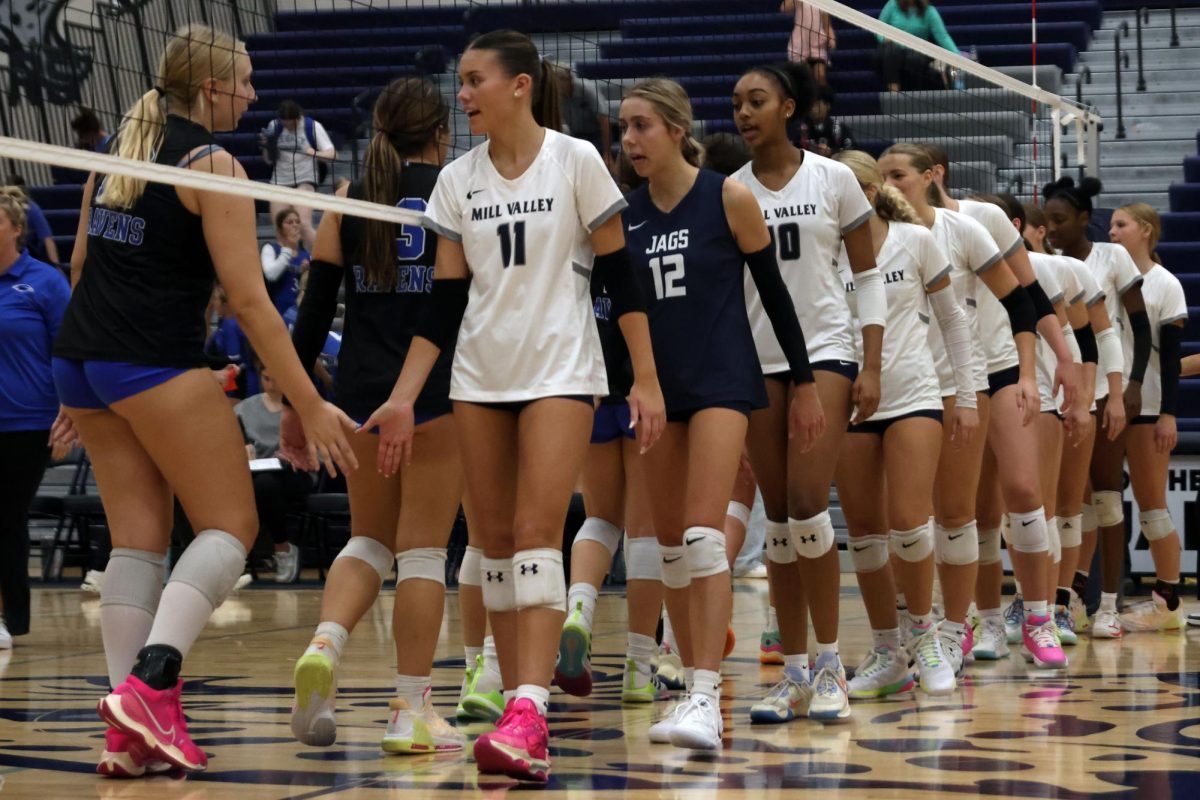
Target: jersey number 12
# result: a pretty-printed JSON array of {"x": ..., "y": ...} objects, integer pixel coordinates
[
  {"x": 668, "y": 276},
  {"x": 512, "y": 244}
]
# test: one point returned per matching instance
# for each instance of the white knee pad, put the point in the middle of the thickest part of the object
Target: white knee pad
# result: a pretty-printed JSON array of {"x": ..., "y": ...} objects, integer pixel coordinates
[
  {"x": 1109, "y": 508},
  {"x": 989, "y": 546},
  {"x": 957, "y": 546},
  {"x": 1088, "y": 515},
  {"x": 378, "y": 555},
  {"x": 778, "y": 543},
  {"x": 133, "y": 578},
  {"x": 642, "y": 560},
  {"x": 739, "y": 511},
  {"x": 675, "y": 573},
  {"x": 1053, "y": 542},
  {"x": 1026, "y": 531},
  {"x": 1070, "y": 531},
  {"x": 705, "y": 548},
  {"x": 601, "y": 531},
  {"x": 812, "y": 537},
  {"x": 1156, "y": 524},
  {"x": 498, "y": 589},
  {"x": 423, "y": 563},
  {"x": 912, "y": 545},
  {"x": 211, "y": 565},
  {"x": 869, "y": 553},
  {"x": 468, "y": 570},
  {"x": 538, "y": 578}
]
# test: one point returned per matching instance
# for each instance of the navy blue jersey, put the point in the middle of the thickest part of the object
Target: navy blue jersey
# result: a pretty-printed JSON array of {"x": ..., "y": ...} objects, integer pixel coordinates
[{"x": 692, "y": 270}]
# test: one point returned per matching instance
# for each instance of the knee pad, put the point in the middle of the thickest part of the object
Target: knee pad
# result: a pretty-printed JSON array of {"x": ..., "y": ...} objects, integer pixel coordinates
[
  {"x": 675, "y": 573},
  {"x": 705, "y": 548},
  {"x": 423, "y": 563},
  {"x": 211, "y": 565},
  {"x": 1156, "y": 524},
  {"x": 1109, "y": 508},
  {"x": 912, "y": 545},
  {"x": 778, "y": 543},
  {"x": 539, "y": 580},
  {"x": 1088, "y": 516},
  {"x": 497, "y": 584},
  {"x": 468, "y": 570},
  {"x": 601, "y": 531},
  {"x": 642, "y": 560},
  {"x": 812, "y": 537},
  {"x": 371, "y": 551},
  {"x": 133, "y": 578},
  {"x": 989, "y": 546},
  {"x": 1026, "y": 531},
  {"x": 869, "y": 553},
  {"x": 1053, "y": 542},
  {"x": 1070, "y": 531},
  {"x": 957, "y": 546},
  {"x": 739, "y": 511}
]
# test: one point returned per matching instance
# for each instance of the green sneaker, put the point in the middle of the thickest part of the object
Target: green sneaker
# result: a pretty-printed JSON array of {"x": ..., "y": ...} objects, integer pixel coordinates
[
  {"x": 313, "y": 723},
  {"x": 573, "y": 671},
  {"x": 648, "y": 693},
  {"x": 474, "y": 704},
  {"x": 470, "y": 678}
]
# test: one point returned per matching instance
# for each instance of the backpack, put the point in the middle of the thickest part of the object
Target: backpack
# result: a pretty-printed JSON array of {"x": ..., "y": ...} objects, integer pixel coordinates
[{"x": 269, "y": 140}]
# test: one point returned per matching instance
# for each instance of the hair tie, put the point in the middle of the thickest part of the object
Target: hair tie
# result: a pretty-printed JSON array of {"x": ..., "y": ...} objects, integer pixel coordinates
[{"x": 161, "y": 91}]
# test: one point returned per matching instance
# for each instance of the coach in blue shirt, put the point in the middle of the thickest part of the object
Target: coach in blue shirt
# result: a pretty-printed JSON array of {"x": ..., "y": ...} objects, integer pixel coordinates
[{"x": 33, "y": 297}]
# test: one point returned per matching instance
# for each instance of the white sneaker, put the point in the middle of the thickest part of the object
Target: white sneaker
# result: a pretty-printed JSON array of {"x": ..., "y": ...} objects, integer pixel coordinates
[
  {"x": 699, "y": 726},
  {"x": 5, "y": 637},
  {"x": 830, "y": 700},
  {"x": 952, "y": 647},
  {"x": 660, "y": 732},
  {"x": 670, "y": 669},
  {"x": 933, "y": 667},
  {"x": 991, "y": 639},
  {"x": 93, "y": 581},
  {"x": 313, "y": 721},
  {"x": 1152, "y": 615},
  {"x": 883, "y": 672},
  {"x": 787, "y": 700},
  {"x": 244, "y": 580},
  {"x": 417, "y": 732},
  {"x": 287, "y": 564},
  {"x": 1107, "y": 625}
]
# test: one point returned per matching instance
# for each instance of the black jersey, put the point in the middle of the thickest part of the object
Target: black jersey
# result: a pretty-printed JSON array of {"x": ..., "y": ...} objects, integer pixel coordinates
[
  {"x": 380, "y": 323},
  {"x": 692, "y": 270},
  {"x": 148, "y": 275}
]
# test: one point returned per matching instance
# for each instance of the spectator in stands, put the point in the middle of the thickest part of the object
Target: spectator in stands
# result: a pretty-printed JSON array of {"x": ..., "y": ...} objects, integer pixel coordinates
[
  {"x": 39, "y": 239},
  {"x": 89, "y": 133},
  {"x": 725, "y": 153},
  {"x": 227, "y": 344},
  {"x": 284, "y": 261},
  {"x": 585, "y": 115},
  {"x": 33, "y": 297},
  {"x": 907, "y": 69},
  {"x": 300, "y": 149},
  {"x": 820, "y": 131},
  {"x": 274, "y": 488},
  {"x": 812, "y": 37}
]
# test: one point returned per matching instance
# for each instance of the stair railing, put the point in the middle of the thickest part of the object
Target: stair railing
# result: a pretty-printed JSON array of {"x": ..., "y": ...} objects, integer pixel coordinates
[
  {"x": 1123, "y": 30},
  {"x": 1142, "y": 12}
]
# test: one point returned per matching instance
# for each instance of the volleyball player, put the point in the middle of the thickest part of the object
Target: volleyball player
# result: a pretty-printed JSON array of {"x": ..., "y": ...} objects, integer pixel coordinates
[
  {"x": 812, "y": 206},
  {"x": 131, "y": 374},
  {"x": 691, "y": 232},
  {"x": 523, "y": 219}
]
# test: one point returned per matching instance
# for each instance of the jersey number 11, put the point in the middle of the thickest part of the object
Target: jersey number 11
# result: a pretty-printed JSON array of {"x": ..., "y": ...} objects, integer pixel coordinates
[{"x": 512, "y": 244}]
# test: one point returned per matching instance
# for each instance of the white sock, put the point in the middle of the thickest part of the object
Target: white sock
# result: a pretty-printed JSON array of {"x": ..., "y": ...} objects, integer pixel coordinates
[
  {"x": 827, "y": 656},
  {"x": 584, "y": 596},
  {"x": 470, "y": 655},
  {"x": 413, "y": 689},
  {"x": 668, "y": 631},
  {"x": 509, "y": 695},
  {"x": 889, "y": 638},
  {"x": 1108, "y": 601},
  {"x": 183, "y": 612},
  {"x": 127, "y": 606},
  {"x": 772, "y": 619},
  {"x": 329, "y": 640},
  {"x": 989, "y": 613},
  {"x": 956, "y": 628},
  {"x": 705, "y": 682},
  {"x": 540, "y": 696},
  {"x": 901, "y": 603},
  {"x": 921, "y": 622},
  {"x": 1035, "y": 608},
  {"x": 640, "y": 650},
  {"x": 689, "y": 678},
  {"x": 795, "y": 666},
  {"x": 490, "y": 681},
  {"x": 124, "y": 630}
]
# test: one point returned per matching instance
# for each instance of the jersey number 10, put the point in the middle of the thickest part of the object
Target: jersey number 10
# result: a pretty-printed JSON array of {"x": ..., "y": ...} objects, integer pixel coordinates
[
  {"x": 512, "y": 244},
  {"x": 668, "y": 276},
  {"x": 788, "y": 240}
]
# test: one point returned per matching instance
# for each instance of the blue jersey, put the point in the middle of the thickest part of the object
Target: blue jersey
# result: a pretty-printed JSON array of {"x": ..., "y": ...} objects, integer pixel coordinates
[
  {"x": 691, "y": 268},
  {"x": 285, "y": 290}
]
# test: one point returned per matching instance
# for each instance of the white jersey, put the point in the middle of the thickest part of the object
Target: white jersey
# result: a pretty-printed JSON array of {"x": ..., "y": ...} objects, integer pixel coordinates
[
  {"x": 1115, "y": 273},
  {"x": 1078, "y": 282},
  {"x": 910, "y": 262},
  {"x": 1051, "y": 274},
  {"x": 971, "y": 252},
  {"x": 995, "y": 330},
  {"x": 807, "y": 218},
  {"x": 529, "y": 330},
  {"x": 1165, "y": 305},
  {"x": 293, "y": 167}
]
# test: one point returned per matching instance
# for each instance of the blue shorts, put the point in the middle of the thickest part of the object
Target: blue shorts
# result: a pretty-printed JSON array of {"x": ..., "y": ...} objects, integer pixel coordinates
[
  {"x": 610, "y": 423},
  {"x": 99, "y": 384},
  {"x": 419, "y": 417},
  {"x": 847, "y": 369}
]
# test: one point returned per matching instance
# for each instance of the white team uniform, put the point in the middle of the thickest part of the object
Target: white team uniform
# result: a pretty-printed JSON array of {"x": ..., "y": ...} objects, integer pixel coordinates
[
  {"x": 529, "y": 330},
  {"x": 971, "y": 252},
  {"x": 293, "y": 167},
  {"x": 807, "y": 218},
  {"x": 910, "y": 262},
  {"x": 1165, "y": 304},
  {"x": 995, "y": 329},
  {"x": 1058, "y": 283},
  {"x": 1115, "y": 273}
]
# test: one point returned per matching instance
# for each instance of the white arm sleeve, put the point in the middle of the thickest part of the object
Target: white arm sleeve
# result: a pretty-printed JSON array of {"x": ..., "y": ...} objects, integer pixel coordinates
[
  {"x": 274, "y": 265},
  {"x": 872, "y": 297},
  {"x": 1111, "y": 358},
  {"x": 956, "y": 334},
  {"x": 1072, "y": 344}
]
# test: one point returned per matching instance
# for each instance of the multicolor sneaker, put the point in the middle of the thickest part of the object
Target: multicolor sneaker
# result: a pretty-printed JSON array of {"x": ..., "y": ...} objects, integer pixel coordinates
[
  {"x": 770, "y": 648},
  {"x": 649, "y": 692},
  {"x": 1066, "y": 626},
  {"x": 952, "y": 646},
  {"x": 1014, "y": 619},
  {"x": 934, "y": 668},
  {"x": 699, "y": 726},
  {"x": 830, "y": 699},
  {"x": 1152, "y": 615},
  {"x": 573, "y": 671},
  {"x": 669, "y": 668},
  {"x": 419, "y": 732},
  {"x": 125, "y": 756},
  {"x": 1107, "y": 625},
  {"x": 519, "y": 747},
  {"x": 992, "y": 642},
  {"x": 1079, "y": 613},
  {"x": 1041, "y": 645},
  {"x": 154, "y": 719},
  {"x": 883, "y": 672},
  {"x": 787, "y": 700},
  {"x": 313, "y": 721},
  {"x": 968, "y": 646}
]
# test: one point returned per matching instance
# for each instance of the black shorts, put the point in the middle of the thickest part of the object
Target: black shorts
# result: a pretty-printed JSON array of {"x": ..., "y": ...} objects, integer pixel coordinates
[
  {"x": 879, "y": 426},
  {"x": 1144, "y": 419},
  {"x": 1001, "y": 379},
  {"x": 517, "y": 406},
  {"x": 684, "y": 415},
  {"x": 847, "y": 369}
]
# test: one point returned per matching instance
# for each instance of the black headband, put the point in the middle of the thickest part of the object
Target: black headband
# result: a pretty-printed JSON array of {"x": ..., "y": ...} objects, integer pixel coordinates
[
  {"x": 784, "y": 79},
  {"x": 1070, "y": 195}
]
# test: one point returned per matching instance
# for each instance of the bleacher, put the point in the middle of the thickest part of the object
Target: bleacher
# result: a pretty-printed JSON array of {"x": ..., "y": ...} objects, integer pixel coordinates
[{"x": 1180, "y": 252}]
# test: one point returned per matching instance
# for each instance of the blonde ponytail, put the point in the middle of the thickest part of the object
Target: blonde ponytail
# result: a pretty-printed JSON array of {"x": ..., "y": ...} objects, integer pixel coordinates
[{"x": 890, "y": 204}]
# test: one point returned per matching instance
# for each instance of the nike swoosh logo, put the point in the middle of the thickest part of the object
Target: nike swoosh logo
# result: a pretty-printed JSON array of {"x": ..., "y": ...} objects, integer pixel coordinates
[
  {"x": 170, "y": 734},
  {"x": 860, "y": 549},
  {"x": 1026, "y": 523},
  {"x": 907, "y": 545},
  {"x": 671, "y": 560},
  {"x": 952, "y": 538},
  {"x": 474, "y": 192},
  {"x": 640, "y": 224},
  {"x": 693, "y": 540}
]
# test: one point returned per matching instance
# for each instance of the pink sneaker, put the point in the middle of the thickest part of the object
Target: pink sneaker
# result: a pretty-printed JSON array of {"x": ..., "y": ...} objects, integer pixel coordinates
[
  {"x": 153, "y": 718},
  {"x": 519, "y": 747},
  {"x": 1041, "y": 644},
  {"x": 968, "y": 644}
]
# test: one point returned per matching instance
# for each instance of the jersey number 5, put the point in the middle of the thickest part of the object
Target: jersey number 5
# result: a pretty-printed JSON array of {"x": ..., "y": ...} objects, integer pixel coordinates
[
  {"x": 668, "y": 276},
  {"x": 410, "y": 244},
  {"x": 512, "y": 244}
]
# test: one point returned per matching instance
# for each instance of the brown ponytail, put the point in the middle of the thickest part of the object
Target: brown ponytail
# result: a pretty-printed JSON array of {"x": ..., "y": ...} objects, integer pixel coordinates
[{"x": 518, "y": 55}]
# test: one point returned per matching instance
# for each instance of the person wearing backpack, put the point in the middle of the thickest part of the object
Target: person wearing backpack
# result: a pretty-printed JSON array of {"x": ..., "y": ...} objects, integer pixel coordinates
[{"x": 299, "y": 148}]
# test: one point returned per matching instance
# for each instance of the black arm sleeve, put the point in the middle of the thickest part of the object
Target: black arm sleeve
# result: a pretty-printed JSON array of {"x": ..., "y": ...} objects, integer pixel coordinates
[
  {"x": 1021, "y": 314},
  {"x": 1169, "y": 355},
  {"x": 1042, "y": 307},
  {"x": 315, "y": 316},
  {"x": 1140, "y": 323},
  {"x": 780, "y": 310},
  {"x": 615, "y": 272},
  {"x": 442, "y": 315},
  {"x": 1086, "y": 339}
]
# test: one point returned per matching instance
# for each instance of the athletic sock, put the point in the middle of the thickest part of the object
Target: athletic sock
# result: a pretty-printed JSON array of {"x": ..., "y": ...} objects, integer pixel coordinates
[
  {"x": 540, "y": 696},
  {"x": 490, "y": 680},
  {"x": 329, "y": 640},
  {"x": 1108, "y": 601},
  {"x": 922, "y": 622},
  {"x": 1169, "y": 591},
  {"x": 705, "y": 682},
  {"x": 471, "y": 655},
  {"x": 584, "y": 596},
  {"x": 1036, "y": 608},
  {"x": 640, "y": 650},
  {"x": 772, "y": 619},
  {"x": 509, "y": 695},
  {"x": 689, "y": 678},
  {"x": 413, "y": 689},
  {"x": 182, "y": 613},
  {"x": 827, "y": 656},
  {"x": 889, "y": 638},
  {"x": 901, "y": 602},
  {"x": 1062, "y": 596},
  {"x": 795, "y": 666},
  {"x": 989, "y": 613},
  {"x": 958, "y": 629}
]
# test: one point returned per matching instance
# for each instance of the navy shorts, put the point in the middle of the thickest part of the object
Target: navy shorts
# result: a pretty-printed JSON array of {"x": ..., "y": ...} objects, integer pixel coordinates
[
  {"x": 99, "y": 384},
  {"x": 880, "y": 426},
  {"x": 420, "y": 417},
  {"x": 847, "y": 369},
  {"x": 1144, "y": 419},
  {"x": 684, "y": 415},
  {"x": 1003, "y": 378},
  {"x": 610, "y": 423}
]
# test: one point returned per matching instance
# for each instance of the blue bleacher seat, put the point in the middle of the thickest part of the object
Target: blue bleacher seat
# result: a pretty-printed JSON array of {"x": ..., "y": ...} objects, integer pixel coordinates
[
  {"x": 1180, "y": 226},
  {"x": 1180, "y": 257},
  {"x": 1185, "y": 196}
]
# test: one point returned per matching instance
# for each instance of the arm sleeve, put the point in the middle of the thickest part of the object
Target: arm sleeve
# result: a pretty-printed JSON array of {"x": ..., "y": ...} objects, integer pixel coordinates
[
  {"x": 956, "y": 334},
  {"x": 1072, "y": 344},
  {"x": 1043, "y": 306},
  {"x": 315, "y": 316},
  {"x": 1111, "y": 357},
  {"x": 597, "y": 197},
  {"x": 443, "y": 214},
  {"x": 872, "y": 297},
  {"x": 937, "y": 30},
  {"x": 1169, "y": 339},
  {"x": 1139, "y": 323},
  {"x": 615, "y": 272},
  {"x": 273, "y": 265},
  {"x": 778, "y": 304},
  {"x": 442, "y": 315},
  {"x": 1021, "y": 314},
  {"x": 1085, "y": 338}
]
